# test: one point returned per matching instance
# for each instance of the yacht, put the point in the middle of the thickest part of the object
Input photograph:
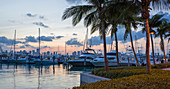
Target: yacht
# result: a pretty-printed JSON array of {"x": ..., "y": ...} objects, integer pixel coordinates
[
  {"x": 84, "y": 59},
  {"x": 112, "y": 61}
]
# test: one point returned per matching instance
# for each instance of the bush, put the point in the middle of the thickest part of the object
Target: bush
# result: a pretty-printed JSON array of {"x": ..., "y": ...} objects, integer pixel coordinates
[
  {"x": 158, "y": 79},
  {"x": 162, "y": 65},
  {"x": 119, "y": 72}
]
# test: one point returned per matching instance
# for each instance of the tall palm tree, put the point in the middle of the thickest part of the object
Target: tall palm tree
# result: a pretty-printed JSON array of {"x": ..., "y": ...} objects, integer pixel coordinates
[
  {"x": 154, "y": 22},
  {"x": 161, "y": 31},
  {"x": 129, "y": 20},
  {"x": 92, "y": 13},
  {"x": 128, "y": 30},
  {"x": 144, "y": 8}
]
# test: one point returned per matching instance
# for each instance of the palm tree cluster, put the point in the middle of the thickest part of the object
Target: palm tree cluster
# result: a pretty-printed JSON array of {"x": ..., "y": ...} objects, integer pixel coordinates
[{"x": 106, "y": 15}]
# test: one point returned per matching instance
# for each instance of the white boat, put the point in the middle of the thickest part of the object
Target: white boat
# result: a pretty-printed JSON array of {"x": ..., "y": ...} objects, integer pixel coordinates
[
  {"x": 112, "y": 61},
  {"x": 45, "y": 61},
  {"x": 84, "y": 59}
]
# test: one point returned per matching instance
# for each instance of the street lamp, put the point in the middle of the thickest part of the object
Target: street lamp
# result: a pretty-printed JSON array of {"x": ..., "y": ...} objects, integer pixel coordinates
[{"x": 151, "y": 33}]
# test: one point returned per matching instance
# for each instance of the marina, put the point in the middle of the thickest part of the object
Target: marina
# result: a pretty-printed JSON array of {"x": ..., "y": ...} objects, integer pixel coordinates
[{"x": 84, "y": 44}]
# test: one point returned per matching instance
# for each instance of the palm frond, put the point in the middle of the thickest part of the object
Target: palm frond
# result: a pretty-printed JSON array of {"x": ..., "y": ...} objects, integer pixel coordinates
[
  {"x": 77, "y": 12},
  {"x": 161, "y": 4}
]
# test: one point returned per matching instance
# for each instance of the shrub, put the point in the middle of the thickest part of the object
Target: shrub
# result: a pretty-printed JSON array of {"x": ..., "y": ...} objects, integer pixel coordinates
[
  {"x": 118, "y": 72},
  {"x": 162, "y": 65},
  {"x": 158, "y": 79}
]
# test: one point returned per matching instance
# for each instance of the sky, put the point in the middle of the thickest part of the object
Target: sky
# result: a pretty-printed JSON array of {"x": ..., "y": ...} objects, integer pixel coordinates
[{"x": 27, "y": 16}]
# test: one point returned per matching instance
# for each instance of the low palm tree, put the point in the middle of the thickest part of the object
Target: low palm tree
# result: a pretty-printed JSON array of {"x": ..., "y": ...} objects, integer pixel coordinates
[{"x": 161, "y": 31}]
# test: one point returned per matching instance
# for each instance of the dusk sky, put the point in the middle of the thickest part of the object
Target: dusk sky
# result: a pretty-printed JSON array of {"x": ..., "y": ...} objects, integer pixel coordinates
[{"x": 26, "y": 16}]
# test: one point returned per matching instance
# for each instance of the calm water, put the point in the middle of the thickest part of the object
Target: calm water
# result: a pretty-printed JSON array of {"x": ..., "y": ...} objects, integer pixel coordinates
[{"x": 39, "y": 77}]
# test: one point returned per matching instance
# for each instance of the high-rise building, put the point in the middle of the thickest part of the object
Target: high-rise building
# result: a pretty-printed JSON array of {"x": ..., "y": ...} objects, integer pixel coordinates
[
  {"x": 33, "y": 52},
  {"x": 74, "y": 53},
  {"x": 78, "y": 53},
  {"x": 48, "y": 52}
]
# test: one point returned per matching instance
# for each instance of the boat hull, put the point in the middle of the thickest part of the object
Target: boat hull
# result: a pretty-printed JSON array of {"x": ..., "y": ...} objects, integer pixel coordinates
[{"x": 81, "y": 64}]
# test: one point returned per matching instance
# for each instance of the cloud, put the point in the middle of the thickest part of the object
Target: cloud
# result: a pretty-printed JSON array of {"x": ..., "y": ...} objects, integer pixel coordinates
[
  {"x": 45, "y": 47},
  {"x": 59, "y": 37},
  {"x": 41, "y": 24},
  {"x": 30, "y": 39},
  {"x": 31, "y": 15},
  {"x": 74, "y": 1},
  {"x": 22, "y": 47},
  {"x": 6, "y": 41},
  {"x": 74, "y": 34},
  {"x": 96, "y": 40},
  {"x": 12, "y": 21},
  {"x": 41, "y": 17},
  {"x": 74, "y": 41},
  {"x": 46, "y": 38}
]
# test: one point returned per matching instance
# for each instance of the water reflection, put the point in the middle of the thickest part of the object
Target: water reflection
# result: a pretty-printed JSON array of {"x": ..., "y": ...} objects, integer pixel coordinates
[{"x": 23, "y": 76}]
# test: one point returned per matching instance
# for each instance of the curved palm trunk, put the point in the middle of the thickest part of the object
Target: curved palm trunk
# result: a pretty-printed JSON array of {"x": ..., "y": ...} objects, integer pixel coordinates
[
  {"x": 146, "y": 23},
  {"x": 134, "y": 49},
  {"x": 153, "y": 50},
  {"x": 117, "y": 57},
  {"x": 104, "y": 46},
  {"x": 163, "y": 49}
]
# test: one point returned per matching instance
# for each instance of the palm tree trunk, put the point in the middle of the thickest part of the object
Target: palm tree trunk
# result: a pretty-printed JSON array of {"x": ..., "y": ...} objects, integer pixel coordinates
[
  {"x": 146, "y": 23},
  {"x": 104, "y": 46},
  {"x": 163, "y": 49},
  {"x": 118, "y": 65},
  {"x": 153, "y": 50},
  {"x": 134, "y": 49}
]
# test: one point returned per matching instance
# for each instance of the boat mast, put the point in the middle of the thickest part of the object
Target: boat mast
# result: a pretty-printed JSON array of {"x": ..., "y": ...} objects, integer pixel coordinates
[
  {"x": 65, "y": 49},
  {"x": 111, "y": 43},
  {"x": 14, "y": 42},
  {"x": 39, "y": 43},
  {"x": 86, "y": 41}
]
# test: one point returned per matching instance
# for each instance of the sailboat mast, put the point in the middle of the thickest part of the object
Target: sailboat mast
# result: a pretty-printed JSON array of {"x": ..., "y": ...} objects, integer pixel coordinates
[
  {"x": 111, "y": 43},
  {"x": 39, "y": 42},
  {"x": 87, "y": 39},
  {"x": 14, "y": 42},
  {"x": 65, "y": 49}
]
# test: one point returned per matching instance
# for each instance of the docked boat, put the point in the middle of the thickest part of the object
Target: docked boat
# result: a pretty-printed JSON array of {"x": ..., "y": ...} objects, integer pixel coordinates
[
  {"x": 84, "y": 59},
  {"x": 45, "y": 61},
  {"x": 112, "y": 61}
]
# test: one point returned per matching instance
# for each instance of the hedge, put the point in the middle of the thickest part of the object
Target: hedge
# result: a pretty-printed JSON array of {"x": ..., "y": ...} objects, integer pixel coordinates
[
  {"x": 162, "y": 65},
  {"x": 158, "y": 79}
]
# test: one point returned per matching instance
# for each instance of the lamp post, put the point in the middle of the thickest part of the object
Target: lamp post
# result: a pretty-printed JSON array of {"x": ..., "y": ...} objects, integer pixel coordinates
[{"x": 151, "y": 33}]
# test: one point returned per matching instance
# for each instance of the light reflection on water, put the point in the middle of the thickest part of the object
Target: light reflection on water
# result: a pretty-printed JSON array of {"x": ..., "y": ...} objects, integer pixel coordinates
[{"x": 39, "y": 77}]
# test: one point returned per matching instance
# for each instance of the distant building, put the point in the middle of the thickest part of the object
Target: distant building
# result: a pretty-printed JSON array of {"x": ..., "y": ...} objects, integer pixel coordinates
[
  {"x": 33, "y": 52},
  {"x": 29, "y": 52},
  {"x": 74, "y": 53},
  {"x": 78, "y": 53},
  {"x": 48, "y": 52},
  {"x": 38, "y": 50}
]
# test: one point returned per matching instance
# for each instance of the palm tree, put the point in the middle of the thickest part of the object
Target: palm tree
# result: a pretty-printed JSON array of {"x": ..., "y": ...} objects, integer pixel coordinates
[
  {"x": 129, "y": 20},
  {"x": 144, "y": 8},
  {"x": 93, "y": 13},
  {"x": 167, "y": 34},
  {"x": 161, "y": 31}
]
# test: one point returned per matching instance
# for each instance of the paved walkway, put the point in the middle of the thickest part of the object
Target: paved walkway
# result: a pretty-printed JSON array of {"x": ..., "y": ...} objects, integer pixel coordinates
[{"x": 166, "y": 69}]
